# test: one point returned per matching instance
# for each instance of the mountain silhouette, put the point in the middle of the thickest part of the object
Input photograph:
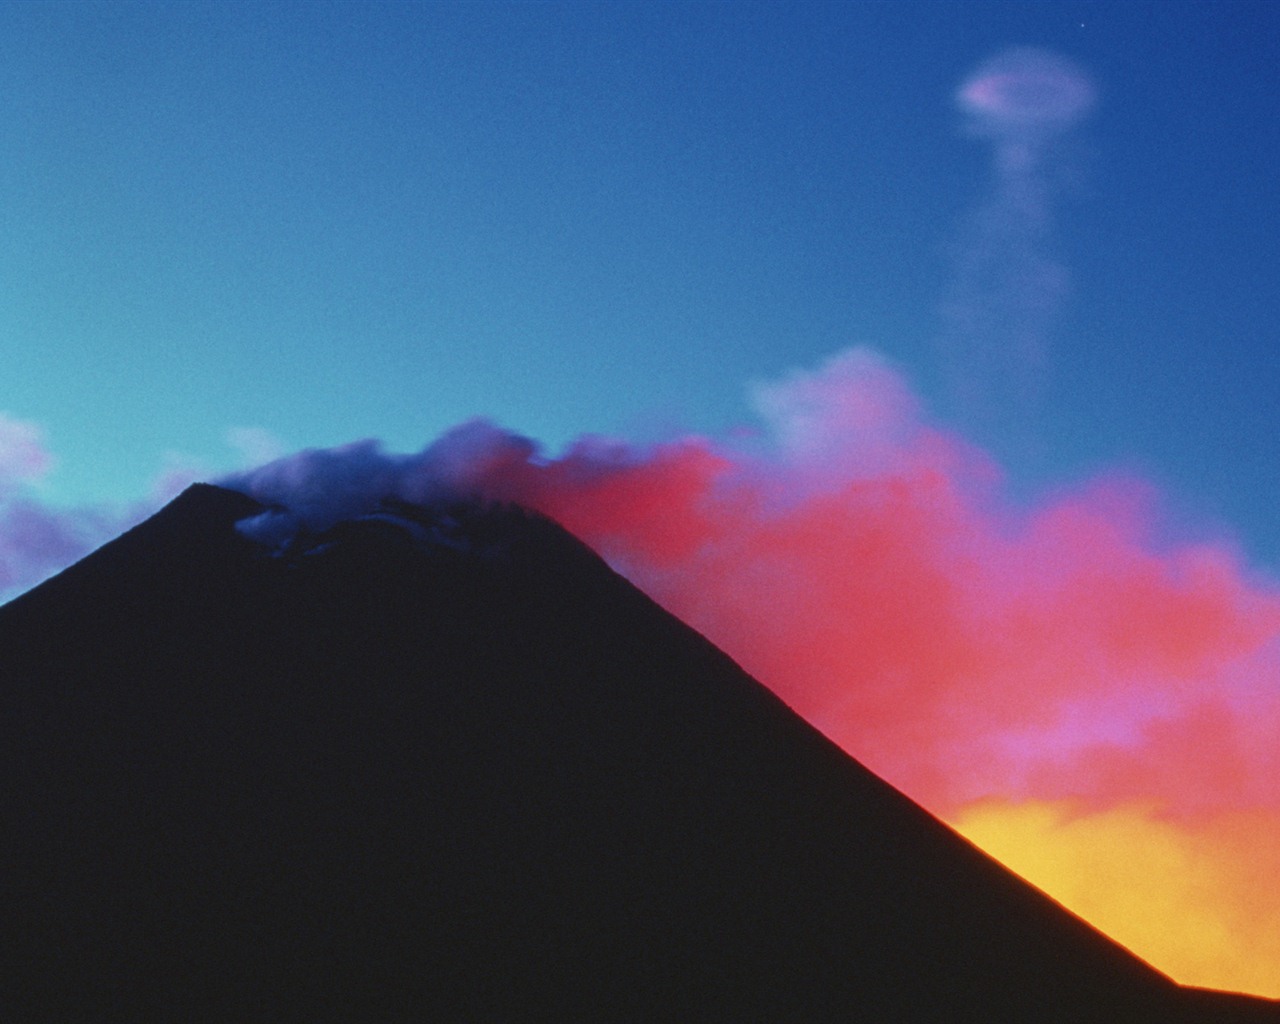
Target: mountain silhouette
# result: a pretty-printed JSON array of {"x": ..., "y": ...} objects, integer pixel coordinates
[{"x": 442, "y": 764}]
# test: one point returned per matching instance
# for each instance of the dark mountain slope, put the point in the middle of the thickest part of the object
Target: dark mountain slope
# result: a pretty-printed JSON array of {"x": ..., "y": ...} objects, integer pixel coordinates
[{"x": 475, "y": 776}]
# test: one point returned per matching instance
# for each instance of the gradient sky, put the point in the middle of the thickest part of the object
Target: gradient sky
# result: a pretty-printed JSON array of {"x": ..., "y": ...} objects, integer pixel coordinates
[
  {"x": 956, "y": 320},
  {"x": 333, "y": 221}
]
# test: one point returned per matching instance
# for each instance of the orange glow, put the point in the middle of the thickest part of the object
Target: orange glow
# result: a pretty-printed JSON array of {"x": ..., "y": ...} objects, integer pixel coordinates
[{"x": 1199, "y": 901}]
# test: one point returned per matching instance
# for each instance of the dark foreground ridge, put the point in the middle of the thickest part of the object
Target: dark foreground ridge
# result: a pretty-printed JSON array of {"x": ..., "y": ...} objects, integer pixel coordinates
[{"x": 445, "y": 765}]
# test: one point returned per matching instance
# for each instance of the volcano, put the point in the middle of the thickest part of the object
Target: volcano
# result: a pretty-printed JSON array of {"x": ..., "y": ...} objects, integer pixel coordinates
[{"x": 444, "y": 764}]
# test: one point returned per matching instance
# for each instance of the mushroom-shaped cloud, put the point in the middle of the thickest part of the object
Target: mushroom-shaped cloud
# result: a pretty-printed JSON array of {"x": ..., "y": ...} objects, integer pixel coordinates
[{"x": 1025, "y": 93}]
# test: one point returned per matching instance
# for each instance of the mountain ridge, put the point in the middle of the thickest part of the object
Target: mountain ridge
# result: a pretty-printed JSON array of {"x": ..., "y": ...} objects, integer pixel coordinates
[{"x": 407, "y": 782}]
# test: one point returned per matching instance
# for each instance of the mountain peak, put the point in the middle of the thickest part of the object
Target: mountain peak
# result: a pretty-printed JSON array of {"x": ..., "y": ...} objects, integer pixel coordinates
[{"x": 439, "y": 762}]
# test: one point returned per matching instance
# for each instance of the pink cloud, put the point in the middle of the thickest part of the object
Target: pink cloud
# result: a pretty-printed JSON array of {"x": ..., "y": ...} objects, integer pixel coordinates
[{"x": 23, "y": 455}]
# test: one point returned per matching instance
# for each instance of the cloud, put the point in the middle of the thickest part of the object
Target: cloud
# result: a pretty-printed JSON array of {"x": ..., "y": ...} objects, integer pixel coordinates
[
  {"x": 34, "y": 542},
  {"x": 255, "y": 445},
  {"x": 1023, "y": 97},
  {"x": 23, "y": 455}
]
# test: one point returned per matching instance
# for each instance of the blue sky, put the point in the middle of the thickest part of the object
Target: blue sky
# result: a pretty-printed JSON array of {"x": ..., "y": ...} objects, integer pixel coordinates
[{"x": 336, "y": 221}]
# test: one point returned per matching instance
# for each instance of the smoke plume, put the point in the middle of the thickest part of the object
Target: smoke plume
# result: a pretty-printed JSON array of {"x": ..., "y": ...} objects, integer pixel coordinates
[
  {"x": 1047, "y": 674},
  {"x": 1008, "y": 286}
]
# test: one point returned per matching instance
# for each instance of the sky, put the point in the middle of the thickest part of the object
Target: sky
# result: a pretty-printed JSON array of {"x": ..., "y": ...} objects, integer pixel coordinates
[{"x": 976, "y": 299}]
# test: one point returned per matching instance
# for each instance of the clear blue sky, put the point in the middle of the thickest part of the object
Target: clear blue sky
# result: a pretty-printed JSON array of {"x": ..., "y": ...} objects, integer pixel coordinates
[{"x": 334, "y": 221}]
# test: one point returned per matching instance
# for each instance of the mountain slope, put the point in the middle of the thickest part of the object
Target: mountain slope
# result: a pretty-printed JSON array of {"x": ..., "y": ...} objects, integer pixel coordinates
[{"x": 444, "y": 764}]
